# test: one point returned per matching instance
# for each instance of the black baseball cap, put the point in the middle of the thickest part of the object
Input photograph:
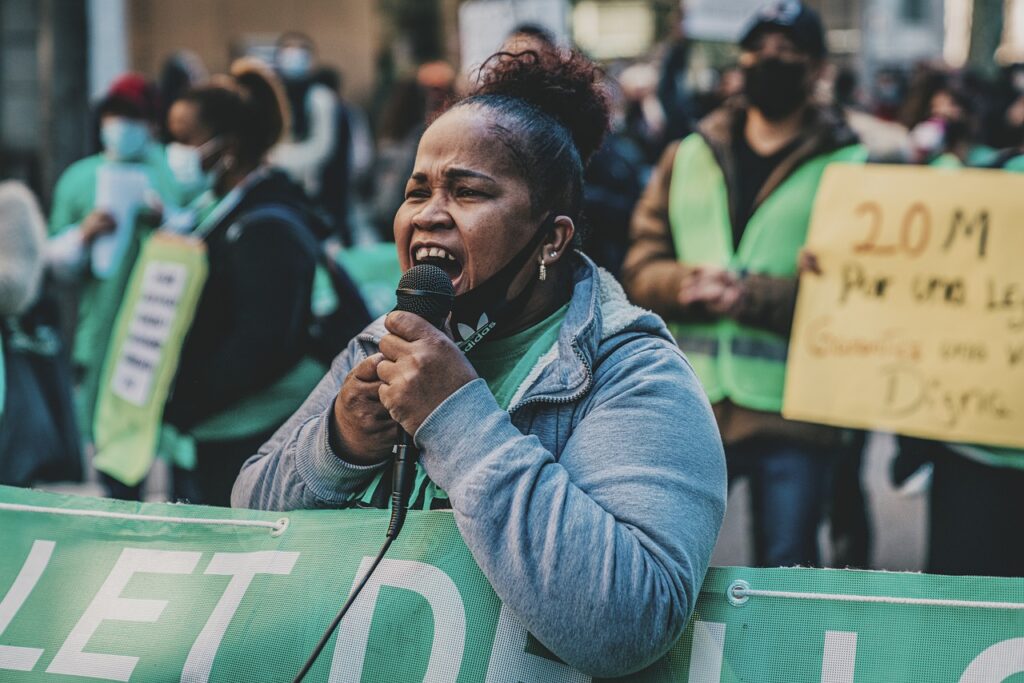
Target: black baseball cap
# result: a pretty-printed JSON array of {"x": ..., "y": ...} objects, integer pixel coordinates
[{"x": 802, "y": 24}]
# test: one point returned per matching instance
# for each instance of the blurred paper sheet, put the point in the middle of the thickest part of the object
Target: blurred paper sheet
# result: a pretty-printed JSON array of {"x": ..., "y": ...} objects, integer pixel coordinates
[{"x": 120, "y": 190}]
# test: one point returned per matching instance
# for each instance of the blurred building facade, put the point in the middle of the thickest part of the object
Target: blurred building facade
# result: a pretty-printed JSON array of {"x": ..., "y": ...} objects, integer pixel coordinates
[
  {"x": 44, "y": 117},
  {"x": 346, "y": 33},
  {"x": 58, "y": 56}
]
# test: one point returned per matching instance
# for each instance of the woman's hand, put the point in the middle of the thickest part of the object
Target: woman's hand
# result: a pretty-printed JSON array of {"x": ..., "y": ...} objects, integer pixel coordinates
[
  {"x": 422, "y": 368},
  {"x": 97, "y": 223},
  {"x": 364, "y": 430}
]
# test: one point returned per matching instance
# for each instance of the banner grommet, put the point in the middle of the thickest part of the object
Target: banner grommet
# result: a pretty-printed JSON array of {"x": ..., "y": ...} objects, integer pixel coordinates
[{"x": 736, "y": 593}]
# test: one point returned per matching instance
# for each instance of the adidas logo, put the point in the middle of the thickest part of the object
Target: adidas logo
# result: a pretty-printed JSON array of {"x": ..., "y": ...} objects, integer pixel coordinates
[{"x": 471, "y": 337}]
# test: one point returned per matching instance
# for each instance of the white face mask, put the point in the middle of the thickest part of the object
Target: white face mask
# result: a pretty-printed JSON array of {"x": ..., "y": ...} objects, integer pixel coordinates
[
  {"x": 186, "y": 164},
  {"x": 294, "y": 62},
  {"x": 124, "y": 139}
]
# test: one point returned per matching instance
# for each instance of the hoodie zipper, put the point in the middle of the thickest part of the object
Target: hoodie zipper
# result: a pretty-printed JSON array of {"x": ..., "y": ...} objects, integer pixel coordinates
[{"x": 561, "y": 400}]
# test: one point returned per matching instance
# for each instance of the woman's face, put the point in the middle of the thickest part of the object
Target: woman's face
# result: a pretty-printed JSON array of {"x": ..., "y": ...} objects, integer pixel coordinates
[
  {"x": 185, "y": 127},
  {"x": 467, "y": 208}
]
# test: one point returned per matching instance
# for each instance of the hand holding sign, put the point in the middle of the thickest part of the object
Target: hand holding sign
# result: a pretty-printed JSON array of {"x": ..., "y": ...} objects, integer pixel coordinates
[{"x": 916, "y": 323}]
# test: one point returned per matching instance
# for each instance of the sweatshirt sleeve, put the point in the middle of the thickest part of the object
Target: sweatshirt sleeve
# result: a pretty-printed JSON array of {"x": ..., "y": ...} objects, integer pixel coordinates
[
  {"x": 297, "y": 468},
  {"x": 601, "y": 552}
]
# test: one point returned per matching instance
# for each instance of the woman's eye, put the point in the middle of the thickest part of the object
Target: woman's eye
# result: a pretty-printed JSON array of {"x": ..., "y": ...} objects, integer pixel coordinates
[
  {"x": 416, "y": 194},
  {"x": 470, "y": 192}
]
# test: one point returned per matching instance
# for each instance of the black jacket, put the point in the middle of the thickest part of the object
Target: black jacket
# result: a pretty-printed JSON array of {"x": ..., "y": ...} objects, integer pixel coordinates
[{"x": 252, "y": 322}]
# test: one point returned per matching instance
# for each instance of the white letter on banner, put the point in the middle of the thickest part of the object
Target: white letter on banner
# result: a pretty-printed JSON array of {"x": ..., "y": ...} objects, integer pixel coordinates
[
  {"x": 108, "y": 604},
  {"x": 839, "y": 658},
  {"x": 706, "y": 652},
  {"x": 23, "y": 658},
  {"x": 996, "y": 663},
  {"x": 510, "y": 663},
  {"x": 445, "y": 601},
  {"x": 242, "y": 567}
]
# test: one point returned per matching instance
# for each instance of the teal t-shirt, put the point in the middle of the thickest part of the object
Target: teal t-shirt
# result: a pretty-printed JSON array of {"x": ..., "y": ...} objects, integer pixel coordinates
[{"x": 504, "y": 364}]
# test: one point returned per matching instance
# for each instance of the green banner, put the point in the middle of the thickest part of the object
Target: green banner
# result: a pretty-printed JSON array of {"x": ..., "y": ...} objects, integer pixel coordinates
[
  {"x": 157, "y": 313},
  {"x": 93, "y": 589}
]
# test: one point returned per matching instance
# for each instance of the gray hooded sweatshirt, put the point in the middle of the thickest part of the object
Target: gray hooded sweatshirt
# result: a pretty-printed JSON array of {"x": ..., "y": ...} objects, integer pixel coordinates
[{"x": 592, "y": 505}]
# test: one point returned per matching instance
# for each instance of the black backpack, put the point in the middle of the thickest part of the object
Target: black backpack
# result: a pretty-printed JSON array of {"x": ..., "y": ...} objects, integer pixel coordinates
[
  {"x": 39, "y": 440},
  {"x": 329, "y": 332}
]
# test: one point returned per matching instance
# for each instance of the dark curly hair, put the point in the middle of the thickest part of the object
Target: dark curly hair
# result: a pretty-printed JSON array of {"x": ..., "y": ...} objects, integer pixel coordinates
[{"x": 551, "y": 112}]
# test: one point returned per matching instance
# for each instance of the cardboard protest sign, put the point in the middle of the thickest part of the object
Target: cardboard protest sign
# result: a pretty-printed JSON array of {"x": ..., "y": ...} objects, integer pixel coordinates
[
  {"x": 145, "y": 347},
  {"x": 916, "y": 324}
]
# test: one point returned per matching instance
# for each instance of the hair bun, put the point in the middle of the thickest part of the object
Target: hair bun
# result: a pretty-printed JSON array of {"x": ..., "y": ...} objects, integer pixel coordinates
[
  {"x": 269, "y": 114},
  {"x": 563, "y": 84}
]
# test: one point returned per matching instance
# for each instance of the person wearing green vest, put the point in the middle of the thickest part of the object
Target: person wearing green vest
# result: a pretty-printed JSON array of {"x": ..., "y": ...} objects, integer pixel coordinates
[
  {"x": 715, "y": 241},
  {"x": 128, "y": 128}
]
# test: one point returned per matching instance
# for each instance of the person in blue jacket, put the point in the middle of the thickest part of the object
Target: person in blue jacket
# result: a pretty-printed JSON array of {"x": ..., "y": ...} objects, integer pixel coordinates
[{"x": 574, "y": 444}]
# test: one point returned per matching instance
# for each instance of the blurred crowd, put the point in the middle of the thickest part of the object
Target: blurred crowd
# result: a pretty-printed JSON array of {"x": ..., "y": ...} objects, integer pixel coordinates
[{"x": 315, "y": 180}]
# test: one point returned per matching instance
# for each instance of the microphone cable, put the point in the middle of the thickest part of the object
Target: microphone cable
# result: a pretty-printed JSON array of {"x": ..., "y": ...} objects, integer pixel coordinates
[
  {"x": 344, "y": 608},
  {"x": 426, "y": 291}
]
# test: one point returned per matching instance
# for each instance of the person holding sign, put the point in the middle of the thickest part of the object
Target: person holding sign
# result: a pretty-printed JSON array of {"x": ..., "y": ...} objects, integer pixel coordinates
[
  {"x": 714, "y": 249},
  {"x": 909, "y": 321},
  {"x": 94, "y": 193},
  {"x": 572, "y": 441}
]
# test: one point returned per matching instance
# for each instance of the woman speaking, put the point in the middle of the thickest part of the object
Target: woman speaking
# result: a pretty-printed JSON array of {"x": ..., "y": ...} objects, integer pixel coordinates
[{"x": 573, "y": 444}]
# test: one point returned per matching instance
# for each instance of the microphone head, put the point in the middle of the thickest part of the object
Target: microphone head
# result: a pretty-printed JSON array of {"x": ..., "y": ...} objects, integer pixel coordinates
[{"x": 426, "y": 291}]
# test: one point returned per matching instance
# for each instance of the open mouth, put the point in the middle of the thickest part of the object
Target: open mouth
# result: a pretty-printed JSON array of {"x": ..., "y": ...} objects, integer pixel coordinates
[{"x": 440, "y": 257}]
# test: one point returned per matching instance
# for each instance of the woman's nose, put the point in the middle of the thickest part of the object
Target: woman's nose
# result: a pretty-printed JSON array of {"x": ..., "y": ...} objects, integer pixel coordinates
[{"x": 433, "y": 216}]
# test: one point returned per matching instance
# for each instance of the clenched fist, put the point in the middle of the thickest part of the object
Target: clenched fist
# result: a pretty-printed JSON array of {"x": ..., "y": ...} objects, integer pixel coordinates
[
  {"x": 421, "y": 368},
  {"x": 363, "y": 432}
]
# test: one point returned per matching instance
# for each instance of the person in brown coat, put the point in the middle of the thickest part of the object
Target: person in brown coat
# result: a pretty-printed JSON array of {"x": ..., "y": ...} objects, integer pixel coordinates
[{"x": 749, "y": 173}]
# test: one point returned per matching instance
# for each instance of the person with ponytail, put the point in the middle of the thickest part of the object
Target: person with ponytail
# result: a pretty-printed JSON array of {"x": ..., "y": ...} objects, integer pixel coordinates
[
  {"x": 597, "y": 540},
  {"x": 244, "y": 367}
]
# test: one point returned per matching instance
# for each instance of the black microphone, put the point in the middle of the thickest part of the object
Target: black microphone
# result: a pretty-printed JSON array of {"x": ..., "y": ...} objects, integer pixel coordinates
[{"x": 426, "y": 291}]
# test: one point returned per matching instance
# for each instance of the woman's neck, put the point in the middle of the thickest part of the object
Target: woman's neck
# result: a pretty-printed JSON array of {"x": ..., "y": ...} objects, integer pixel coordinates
[
  {"x": 546, "y": 298},
  {"x": 767, "y": 137}
]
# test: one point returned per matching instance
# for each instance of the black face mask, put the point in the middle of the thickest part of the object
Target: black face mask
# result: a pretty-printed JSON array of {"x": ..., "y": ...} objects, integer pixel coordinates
[
  {"x": 775, "y": 87},
  {"x": 477, "y": 313}
]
